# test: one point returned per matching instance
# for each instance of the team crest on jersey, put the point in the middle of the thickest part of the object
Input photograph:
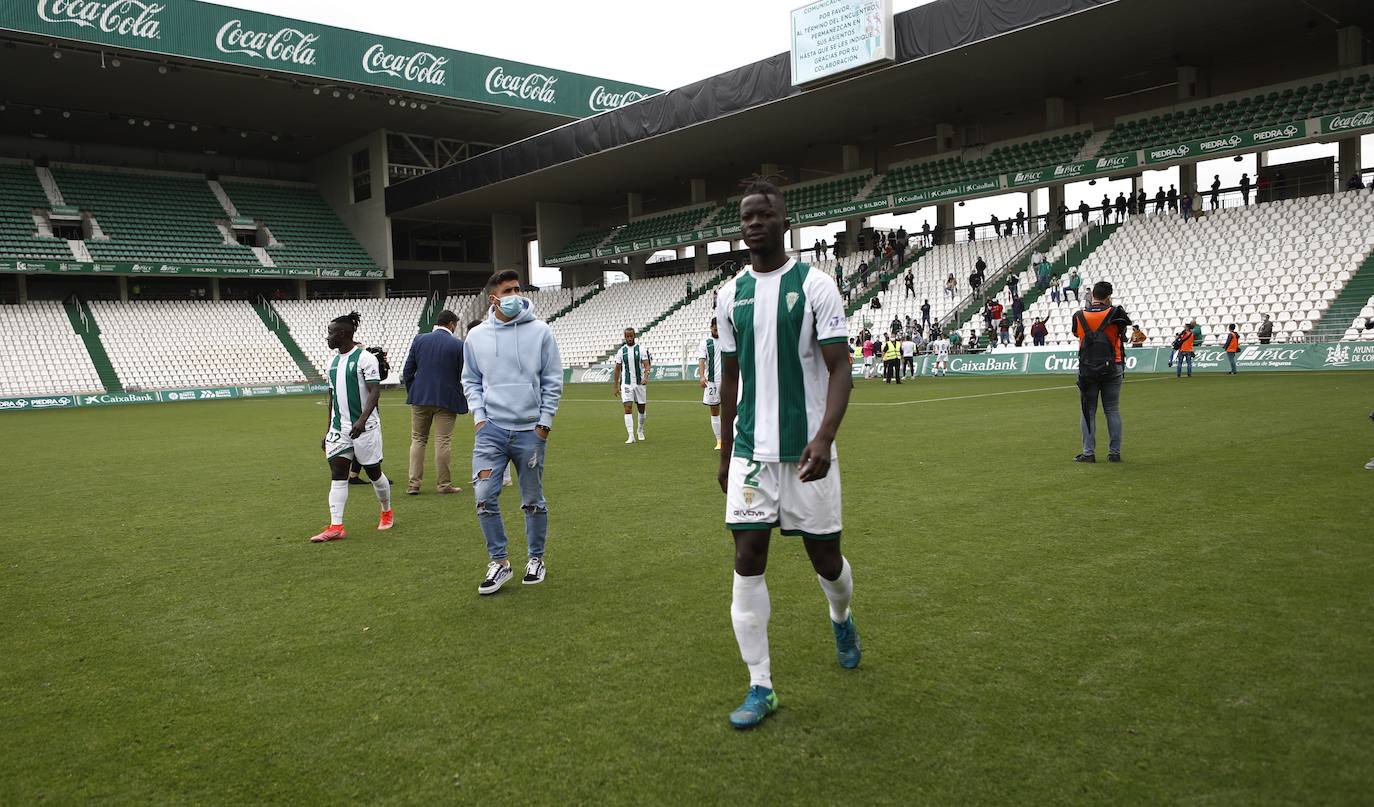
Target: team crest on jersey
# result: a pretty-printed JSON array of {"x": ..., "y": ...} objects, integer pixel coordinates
[
  {"x": 792, "y": 298},
  {"x": 748, "y": 497}
]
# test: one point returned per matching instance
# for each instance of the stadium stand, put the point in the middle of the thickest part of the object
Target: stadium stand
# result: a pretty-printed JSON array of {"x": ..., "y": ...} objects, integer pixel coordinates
[
  {"x": 159, "y": 344},
  {"x": 1289, "y": 259},
  {"x": 1000, "y": 159},
  {"x": 929, "y": 273},
  {"x": 307, "y": 232},
  {"x": 589, "y": 332},
  {"x": 1249, "y": 111},
  {"x": 20, "y": 195},
  {"x": 44, "y": 355},
  {"x": 150, "y": 217},
  {"x": 390, "y": 323},
  {"x": 655, "y": 226},
  {"x": 820, "y": 194}
]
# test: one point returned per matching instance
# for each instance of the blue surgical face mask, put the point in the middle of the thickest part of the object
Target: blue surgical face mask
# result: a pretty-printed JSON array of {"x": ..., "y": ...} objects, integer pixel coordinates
[{"x": 512, "y": 305}]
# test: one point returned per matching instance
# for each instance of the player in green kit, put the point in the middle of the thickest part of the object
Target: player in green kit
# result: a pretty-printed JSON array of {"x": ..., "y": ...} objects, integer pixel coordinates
[
  {"x": 785, "y": 383},
  {"x": 631, "y": 382},
  {"x": 353, "y": 431},
  {"x": 708, "y": 367}
]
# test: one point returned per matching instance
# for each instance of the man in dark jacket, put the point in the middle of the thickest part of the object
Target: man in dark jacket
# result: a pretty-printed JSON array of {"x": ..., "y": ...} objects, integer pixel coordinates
[{"x": 433, "y": 378}]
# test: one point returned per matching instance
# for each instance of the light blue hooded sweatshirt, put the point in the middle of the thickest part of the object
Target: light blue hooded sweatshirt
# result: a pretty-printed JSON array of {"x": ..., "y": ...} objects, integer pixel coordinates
[{"x": 512, "y": 373}]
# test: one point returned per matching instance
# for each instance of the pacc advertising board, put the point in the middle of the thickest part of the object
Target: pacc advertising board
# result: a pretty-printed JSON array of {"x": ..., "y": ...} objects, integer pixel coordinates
[{"x": 833, "y": 37}]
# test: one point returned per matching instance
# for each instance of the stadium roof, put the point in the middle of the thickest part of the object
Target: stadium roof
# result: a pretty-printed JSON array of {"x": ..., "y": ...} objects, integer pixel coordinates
[
  {"x": 241, "y": 77},
  {"x": 959, "y": 62}
]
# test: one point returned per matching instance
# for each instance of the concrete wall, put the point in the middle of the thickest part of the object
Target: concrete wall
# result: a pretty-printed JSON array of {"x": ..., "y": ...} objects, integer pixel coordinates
[
  {"x": 333, "y": 176},
  {"x": 555, "y": 225}
]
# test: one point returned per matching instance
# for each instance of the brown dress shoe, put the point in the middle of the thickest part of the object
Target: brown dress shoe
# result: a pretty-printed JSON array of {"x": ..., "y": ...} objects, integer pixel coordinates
[{"x": 450, "y": 489}]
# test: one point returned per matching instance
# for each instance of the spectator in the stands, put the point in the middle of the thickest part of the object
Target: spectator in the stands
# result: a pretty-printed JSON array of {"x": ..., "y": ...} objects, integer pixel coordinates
[
  {"x": 1185, "y": 206},
  {"x": 1084, "y": 212},
  {"x": 925, "y": 312},
  {"x": 1018, "y": 334},
  {"x": 1356, "y": 183},
  {"x": 1216, "y": 191},
  {"x": 876, "y": 304},
  {"x": 1138, "y": 337},
  {"x": 1160, "y": 200},
  {"x": 956, "y": 341},
  {"x": 816, "y": 250},
  {"x": 1262, "y": 189},
  {"x": 1172, "y": 196},
  {"x": 981, "y": 267},
  {"x": 901, "y": 245},
  {"x": 825, "y": 248},
  {"x": 1061, "y": 216},
  {"x": 974, "y": 283},
  {"x": 972, "y": 344},
  {"x": 1020, "y": 220},
  {"x": 996, "y": 226},
  {"x": 1054, "y": 291},
  {"x": 971, "y": 235},
  {"x": 951, "y": 286},
  {"x": 1074, "y": 282},
  {"x": 839, "y": 274},
  {"x": 1018, "y": 307},
  {"x": 997, "y": 311},
  {"x": 896, "y": 325},
  {"x": 1266, "y": 330},
  {"x": 925, "y": 233},
  {"x": 1245, "y": 188},
  {"x": 1013, "y": 285},
  {"x": 1106, "y": 209},
  {"x": 908, "y": 323},
  {"x": 909, "y": 280},
  {"x": 1120, "y": 206},
  {"x": 1042, "y": 274},
  {"x": 1140, "y": 202},
  {"x": 1004, "y": 331},
  {"x": 1197, "y": 331},
  {"x": 863, "y": 271},
  {"x": 1039, "y": 332}
]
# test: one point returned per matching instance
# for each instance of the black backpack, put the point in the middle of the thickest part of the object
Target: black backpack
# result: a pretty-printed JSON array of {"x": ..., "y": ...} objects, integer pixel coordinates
[
  {"x": 383, "y": 366},
  {"x": 1096, "y": 354}
]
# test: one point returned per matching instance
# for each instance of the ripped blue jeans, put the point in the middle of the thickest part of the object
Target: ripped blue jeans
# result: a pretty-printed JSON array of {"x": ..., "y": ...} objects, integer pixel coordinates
[{"x": 492, "y": 448}]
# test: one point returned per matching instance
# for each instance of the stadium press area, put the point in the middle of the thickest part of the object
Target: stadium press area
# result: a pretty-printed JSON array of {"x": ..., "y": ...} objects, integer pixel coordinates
[{"x": 175, "y": 167}]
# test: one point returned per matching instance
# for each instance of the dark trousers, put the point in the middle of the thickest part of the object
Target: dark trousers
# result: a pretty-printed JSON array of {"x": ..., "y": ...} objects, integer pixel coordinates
[
  {"x": 1069, "y": 290},
  {"x": 909, "y": 365},
  {"x": 892, "y": 369},
  {"x": 1109, "y": 392}
]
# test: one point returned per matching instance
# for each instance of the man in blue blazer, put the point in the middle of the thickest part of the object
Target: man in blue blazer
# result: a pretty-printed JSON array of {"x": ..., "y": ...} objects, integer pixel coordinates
[{"x": 434, "y": 391}]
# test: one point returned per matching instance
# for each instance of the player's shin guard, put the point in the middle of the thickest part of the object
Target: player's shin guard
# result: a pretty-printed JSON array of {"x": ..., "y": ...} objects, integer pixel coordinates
[
  {"x": 338, "y": 497},
  {"x": 749, "y": 611},
  {"x": 383, "y": 489},
  {"x": 839, "y": 592}
]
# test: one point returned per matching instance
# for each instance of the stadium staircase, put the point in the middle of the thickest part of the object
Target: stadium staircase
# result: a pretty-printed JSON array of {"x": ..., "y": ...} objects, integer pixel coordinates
[
  {"x": 1072, "y": 258},
  {"x": 997, "y": 280},
  {"x": 1338, "y": 319},
  {"x": 876, "y": 288},
  {"x": 434, "y": 306},
  {"x": 272, "y": 319},
  {"x": 592, "y": 292},
  {"x": 85, "y": 326},
  {"x": 307, "y": 232}
]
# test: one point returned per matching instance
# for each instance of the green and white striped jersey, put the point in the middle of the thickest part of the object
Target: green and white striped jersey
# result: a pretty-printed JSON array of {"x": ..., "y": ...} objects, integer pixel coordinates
[
  {"x": 349, "y": 375},
  {"x": 710, "y": 351},
  {"x": 631, "y": 359},
  {"x": 774, "y": 324}
]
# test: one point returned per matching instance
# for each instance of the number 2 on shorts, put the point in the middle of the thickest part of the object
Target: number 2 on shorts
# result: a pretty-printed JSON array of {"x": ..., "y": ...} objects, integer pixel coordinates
[{"x": 751, "y": 478}]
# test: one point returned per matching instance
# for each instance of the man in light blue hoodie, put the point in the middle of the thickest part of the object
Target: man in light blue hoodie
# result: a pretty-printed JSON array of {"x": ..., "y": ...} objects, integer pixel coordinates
[{"x": 513, "y": 378}]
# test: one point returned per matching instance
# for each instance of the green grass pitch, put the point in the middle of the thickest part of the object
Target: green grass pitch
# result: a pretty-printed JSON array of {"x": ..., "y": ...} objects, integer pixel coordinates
[{"x": 1193, "y": 625}]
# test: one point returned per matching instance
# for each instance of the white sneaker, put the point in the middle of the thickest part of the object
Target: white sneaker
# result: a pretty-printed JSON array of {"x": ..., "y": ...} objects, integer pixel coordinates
[
  {"x": 641, "y": 435},
  {"x": 534, "y": 572},
  {"x": 1369, "y": 466},
  {"x": 629, "y": 439},
  {"x": 497, "y": 575}
]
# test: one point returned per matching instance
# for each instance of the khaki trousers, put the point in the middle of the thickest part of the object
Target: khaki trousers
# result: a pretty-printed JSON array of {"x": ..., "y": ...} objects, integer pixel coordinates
[{"x": 422, "y": 419}]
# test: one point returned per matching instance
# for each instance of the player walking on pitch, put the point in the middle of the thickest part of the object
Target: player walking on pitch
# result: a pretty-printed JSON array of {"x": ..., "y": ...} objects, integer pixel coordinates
[
  {"x": 941, "y": 348},
  {"x": 708, "y": 366},
  {"x": 785, "y": 383},
  {"x": 632, "y": 362},
  {"x": 354, "y": 430}
]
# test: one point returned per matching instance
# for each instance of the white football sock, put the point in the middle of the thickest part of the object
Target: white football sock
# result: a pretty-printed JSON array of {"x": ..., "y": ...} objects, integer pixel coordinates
[
  {"x": 839, "y": 592},
  {"x": 383, "y": 488},
  {"x": 749, "y": 611},
  {"x": 630, "y": 425},
  {"x": 715, "y": 425},
  {"x": 642, "y": 415},
  {"x": 338, "y": 497}
]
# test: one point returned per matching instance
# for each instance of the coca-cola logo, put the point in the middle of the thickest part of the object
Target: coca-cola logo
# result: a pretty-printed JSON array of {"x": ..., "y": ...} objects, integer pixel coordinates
[
  {"x": 286, "y": 45},
  {"x": 602, "y": 100},
  {"x": 123, "y": 17},
  {"x": 1359, "y": 120},
  {"x": 531, "y": 87},
  {"x": 422, "y": 67}
]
